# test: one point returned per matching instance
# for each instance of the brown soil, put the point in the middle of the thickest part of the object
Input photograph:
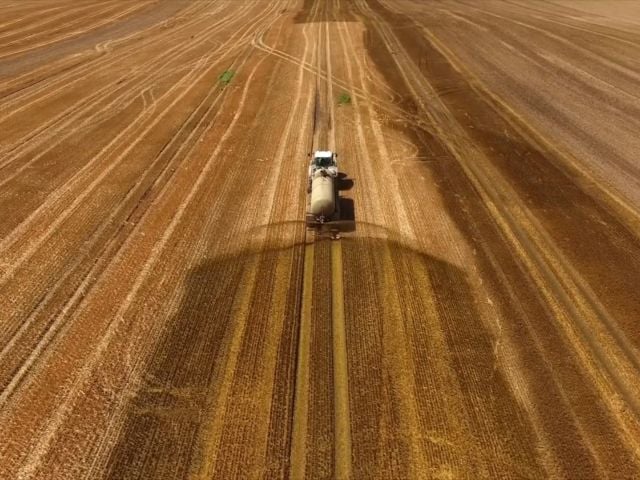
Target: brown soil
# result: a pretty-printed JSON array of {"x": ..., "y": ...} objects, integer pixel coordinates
[{"x": 483, "y": 323}]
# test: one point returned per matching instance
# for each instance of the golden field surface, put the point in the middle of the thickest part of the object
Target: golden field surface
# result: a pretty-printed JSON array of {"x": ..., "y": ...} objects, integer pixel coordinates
[{"x": 164, "y": 312}]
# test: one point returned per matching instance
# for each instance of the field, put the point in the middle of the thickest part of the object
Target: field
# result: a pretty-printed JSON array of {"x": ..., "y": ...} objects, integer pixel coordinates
[{"x": 164, "y": 312}]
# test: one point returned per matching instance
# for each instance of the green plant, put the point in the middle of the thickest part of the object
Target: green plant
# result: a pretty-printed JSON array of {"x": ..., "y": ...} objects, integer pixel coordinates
[
  {"x": 226, "y": 76},
  {"x": 344, "y": 99}
]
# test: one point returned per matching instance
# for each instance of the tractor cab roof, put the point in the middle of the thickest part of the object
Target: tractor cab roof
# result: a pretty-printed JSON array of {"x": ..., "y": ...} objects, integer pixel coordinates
[{"x": 323, "y": 154}]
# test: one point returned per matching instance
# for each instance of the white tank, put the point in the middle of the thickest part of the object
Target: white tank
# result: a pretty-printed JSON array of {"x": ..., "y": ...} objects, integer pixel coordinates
[{"x": 323, "y": 199}]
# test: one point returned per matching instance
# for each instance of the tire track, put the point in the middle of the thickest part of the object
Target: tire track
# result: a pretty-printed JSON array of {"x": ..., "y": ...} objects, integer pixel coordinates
[
  {"x": 303, "y": 396},
  {"x": 298, "y": 455},
  {"x": 342, "y": 428}
]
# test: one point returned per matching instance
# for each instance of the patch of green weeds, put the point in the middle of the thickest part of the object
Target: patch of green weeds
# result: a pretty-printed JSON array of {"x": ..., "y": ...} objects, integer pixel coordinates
[
  {"x": 344, "y": 99},
  {"x": 226, "y": 76}
]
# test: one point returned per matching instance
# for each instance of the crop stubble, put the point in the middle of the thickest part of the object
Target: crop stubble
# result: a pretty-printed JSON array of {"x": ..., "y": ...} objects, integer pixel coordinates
[{"x": 152, "y": 249}]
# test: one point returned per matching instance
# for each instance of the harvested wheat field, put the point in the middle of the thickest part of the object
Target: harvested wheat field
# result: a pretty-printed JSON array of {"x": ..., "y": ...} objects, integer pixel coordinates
[{"x": 166, "y": 314}]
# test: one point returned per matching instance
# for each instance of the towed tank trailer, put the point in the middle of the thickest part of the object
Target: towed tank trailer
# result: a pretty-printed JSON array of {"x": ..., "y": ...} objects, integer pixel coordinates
[{"x": 323, "y": 208}]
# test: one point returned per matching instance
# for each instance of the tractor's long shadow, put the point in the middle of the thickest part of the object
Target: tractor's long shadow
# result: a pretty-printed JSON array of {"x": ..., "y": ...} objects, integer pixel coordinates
[
  {"x": 346, "y": 204},
  {"x": 168, "y": 423}
]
